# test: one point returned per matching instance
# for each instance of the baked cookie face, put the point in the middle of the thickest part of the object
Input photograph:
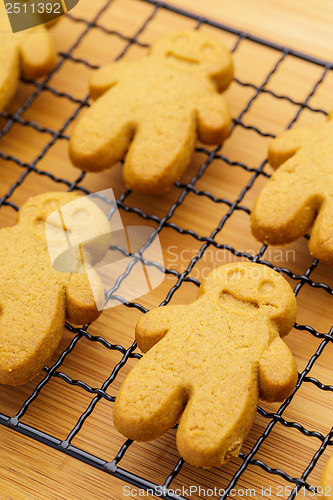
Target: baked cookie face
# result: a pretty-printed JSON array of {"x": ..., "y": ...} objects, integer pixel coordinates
[
  {"x": 151, "y": 111},
  {"x": 30, "y": 54},
  {"x": 35, "y": 298},
  {"x": 208, "y": 362},
  {"x": 300, "y": 193},
  {"x": 197, "y": 52}
]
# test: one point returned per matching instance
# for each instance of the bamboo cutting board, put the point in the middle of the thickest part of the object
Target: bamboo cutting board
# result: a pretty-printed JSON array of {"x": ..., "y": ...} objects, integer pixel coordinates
[{"x": 266, "y": 96}]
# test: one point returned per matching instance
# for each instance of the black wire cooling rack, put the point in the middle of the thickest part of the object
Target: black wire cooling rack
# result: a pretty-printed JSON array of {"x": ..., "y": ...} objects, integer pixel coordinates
[{"x": 114, "y": 466}]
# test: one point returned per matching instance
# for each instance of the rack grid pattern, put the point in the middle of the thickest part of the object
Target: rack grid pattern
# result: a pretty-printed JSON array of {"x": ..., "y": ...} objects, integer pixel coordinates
[{"x": 114, "y": 466}]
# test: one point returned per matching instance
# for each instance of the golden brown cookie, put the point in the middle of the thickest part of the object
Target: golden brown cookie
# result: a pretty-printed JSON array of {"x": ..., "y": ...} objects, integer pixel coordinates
[
  {"x": 208, "y": 362},
  {"x": 30, "y": 54},
  {"x": 300, "y": 193},
  {"x": 35, "y": 298},
  {"x": 325, "y": 489},
  {"x": 153, "y": 109}
]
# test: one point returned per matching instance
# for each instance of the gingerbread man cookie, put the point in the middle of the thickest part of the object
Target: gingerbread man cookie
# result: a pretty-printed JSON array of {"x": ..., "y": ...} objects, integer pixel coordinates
[
  {"x": 300, "y": 192},
  {"x": 30, "y": 54},
  {"x": 35, "y": 298},
  {"x": 208, "y": 362},
  {"x": 325, "y": 489},
  {"x": 154, "y": 109}
]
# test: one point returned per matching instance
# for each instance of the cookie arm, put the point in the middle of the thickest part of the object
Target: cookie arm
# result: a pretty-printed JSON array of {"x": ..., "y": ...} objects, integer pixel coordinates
[
  {"x": 83, "y": 292},
  {"x": 38, "y": 55},
  {"x": 277, "y": 372},
  {"x": 286, "y": 144},
  {"x": 154, "y": 325},
  {"x": 106, "y": 77},
  {"x": 214, "y": 121},
  {"x": 321, "y": 244}
]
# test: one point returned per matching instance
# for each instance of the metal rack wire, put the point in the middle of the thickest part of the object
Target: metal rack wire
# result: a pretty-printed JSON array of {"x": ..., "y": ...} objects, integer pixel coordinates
[{"x": 114, "y": 466}]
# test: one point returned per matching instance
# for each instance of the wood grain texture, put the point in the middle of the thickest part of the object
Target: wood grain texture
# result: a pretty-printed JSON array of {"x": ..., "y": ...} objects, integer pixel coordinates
[{"x": 30, "y": 470}]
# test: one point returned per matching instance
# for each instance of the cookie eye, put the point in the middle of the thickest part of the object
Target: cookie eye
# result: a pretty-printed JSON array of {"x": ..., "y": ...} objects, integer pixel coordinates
[
  {"x": 266, "y": 287},
  {"x": 207, "y": 48},
  {"x": 50, "y": 205},
  {"x": 39, "y": 223},
  {"x": 80, "y": 215},
  {"x": 235, "y": 274},
  {"x": 180, "y": 39}
]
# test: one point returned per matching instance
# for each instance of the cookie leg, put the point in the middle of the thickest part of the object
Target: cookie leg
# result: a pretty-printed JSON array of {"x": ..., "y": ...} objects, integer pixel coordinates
[
  {"x": 217, "y": 419},
  {"x": 34, "y": 338},
  {"x": 161, "y": 151},
  {"x": 38, "y": 54},
  {"x": 286, "y": 207},
  {"x": 321, "y": 241},
  {"x": 9, "y": 64},
  {"x": 103, "y": 135},
  {"x": 149, "y": 401}
]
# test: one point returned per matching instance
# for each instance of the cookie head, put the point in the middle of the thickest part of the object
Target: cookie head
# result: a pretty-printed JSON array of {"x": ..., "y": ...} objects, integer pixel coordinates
[
  {"x": 73, "y": 226},
  {"x": 192, "y": 51},
  {"x": 36, "y": 210},
  {"x": 256, "y": 287}
]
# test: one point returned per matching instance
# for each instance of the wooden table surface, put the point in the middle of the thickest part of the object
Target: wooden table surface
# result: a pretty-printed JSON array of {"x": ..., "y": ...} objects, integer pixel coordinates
[{"x": 32, "y": 470}]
